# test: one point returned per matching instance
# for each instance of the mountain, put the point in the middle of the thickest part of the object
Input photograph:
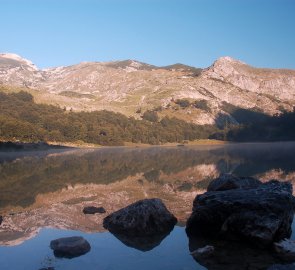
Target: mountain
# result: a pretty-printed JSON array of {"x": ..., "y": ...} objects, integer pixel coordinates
[{"x": 203, "y": 96}]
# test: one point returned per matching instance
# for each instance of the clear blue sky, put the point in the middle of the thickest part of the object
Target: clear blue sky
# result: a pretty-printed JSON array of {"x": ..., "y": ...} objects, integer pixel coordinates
[{"x": 160, "y": 32}]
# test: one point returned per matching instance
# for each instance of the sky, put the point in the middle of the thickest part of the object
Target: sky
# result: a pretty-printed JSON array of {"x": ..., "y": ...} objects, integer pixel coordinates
[{"x": 159, "y": 32}]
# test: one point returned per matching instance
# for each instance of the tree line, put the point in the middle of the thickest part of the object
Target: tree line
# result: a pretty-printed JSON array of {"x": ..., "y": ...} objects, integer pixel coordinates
[{"x": 24, "y": 120}]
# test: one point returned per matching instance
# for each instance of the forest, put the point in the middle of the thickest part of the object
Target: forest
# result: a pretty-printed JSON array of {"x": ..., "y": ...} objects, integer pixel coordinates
[{"x": 21, "y": 119}]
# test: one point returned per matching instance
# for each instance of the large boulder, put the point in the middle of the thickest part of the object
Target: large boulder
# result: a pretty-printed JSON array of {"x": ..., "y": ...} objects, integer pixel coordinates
[
  {"x": 146, "y": 217},
  {"x": 70, "y": 247},
  {"x": 261, "y": 215}
]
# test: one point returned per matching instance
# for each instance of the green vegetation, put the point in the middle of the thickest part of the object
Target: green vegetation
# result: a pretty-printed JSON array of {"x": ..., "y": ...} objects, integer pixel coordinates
[
  {"x": 255, "y": 125},
  {"x": 22, "y": 119},
  {"x": 76, "y": 95},
  {"x": 202, "y": 105},
  {"x": 151, "y": 116},
  {"x": 277, "y": 128},
  {"x": 184, "y": 103}
]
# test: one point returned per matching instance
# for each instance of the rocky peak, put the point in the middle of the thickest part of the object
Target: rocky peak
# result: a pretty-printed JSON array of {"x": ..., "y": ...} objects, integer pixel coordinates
[
  {"x": 279, "y": 83},
  {"x": 18, "y": 71},
  {"x": 223, "y": 68},
  {"x": 16, "y": 60}
]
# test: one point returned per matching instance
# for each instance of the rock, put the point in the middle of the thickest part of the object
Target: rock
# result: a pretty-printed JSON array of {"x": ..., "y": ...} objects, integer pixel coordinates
[
  {"x": 228, "y": 181},
  {"x": 70, "y": 247},
  {"x": 1, "y": 219},
  {"x": 205, "y": 251},
  {"x": 142, "y": 218},
  {"x": 261, "y": 215},
  {"x": 47, "y": 268},
  {"x": 93, "y": 210},
  {"x": 285, "y": 249},
  {"x": 282, "y": 267}
]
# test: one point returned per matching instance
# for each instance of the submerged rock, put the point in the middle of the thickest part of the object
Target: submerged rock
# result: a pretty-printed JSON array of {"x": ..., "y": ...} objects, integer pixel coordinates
[
  {"x": 93, "y": 210},
  {"x": 70, "y": 247},
  {"x": 142, "y": 218},
  {"x": 261, "y": 214}
]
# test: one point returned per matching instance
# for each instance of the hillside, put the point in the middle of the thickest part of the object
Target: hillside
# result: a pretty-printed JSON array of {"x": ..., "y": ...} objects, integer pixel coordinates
[{"x": 131, "y": 88}]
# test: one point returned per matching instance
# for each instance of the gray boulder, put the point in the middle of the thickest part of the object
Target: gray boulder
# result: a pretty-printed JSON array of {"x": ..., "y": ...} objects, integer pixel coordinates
[
  {"x": 261, "y": 215},
  {"x": 70, "y": 247},
  {"x": 143, "y": 218}
]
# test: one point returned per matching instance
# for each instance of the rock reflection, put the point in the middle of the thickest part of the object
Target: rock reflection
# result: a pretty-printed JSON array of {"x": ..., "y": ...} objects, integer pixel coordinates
[
  {"x": 143, "y": 243},
  {"x": 50, "y": 190},
  {"x": 232, "y": 255}
]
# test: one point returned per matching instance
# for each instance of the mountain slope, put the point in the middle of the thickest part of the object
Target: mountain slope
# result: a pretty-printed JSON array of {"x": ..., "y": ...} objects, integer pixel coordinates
[{"x": 132, "y": 87}]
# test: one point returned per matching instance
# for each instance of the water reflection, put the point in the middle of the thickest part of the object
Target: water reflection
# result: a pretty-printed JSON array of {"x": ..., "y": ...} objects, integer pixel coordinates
[
  {"x": 143, "y": 243},
  {"x": 52, "y": 188}
]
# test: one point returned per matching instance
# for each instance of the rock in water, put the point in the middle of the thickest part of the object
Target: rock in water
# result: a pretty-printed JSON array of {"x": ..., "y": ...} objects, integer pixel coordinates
[
  {"x": 142, "y": 218},
  {"x": 261, "y": 215},
  {"x": 93, "y": 210},
  {"x": 70, "y": 247}
]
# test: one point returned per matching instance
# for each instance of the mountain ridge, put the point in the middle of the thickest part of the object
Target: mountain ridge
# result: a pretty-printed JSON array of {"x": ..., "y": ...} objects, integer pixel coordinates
[{"x": 132, "y": 87}]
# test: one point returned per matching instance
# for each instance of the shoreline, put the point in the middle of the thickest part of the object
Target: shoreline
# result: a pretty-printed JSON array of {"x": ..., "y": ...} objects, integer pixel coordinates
[{"x": 11, "y": 146}]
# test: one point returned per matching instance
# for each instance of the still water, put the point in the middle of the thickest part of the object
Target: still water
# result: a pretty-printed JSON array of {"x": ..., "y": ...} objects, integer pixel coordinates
[{"x": 42, "y": 195}]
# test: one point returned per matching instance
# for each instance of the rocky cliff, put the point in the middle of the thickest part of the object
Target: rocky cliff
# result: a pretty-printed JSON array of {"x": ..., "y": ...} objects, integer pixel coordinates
[{"x": 132, "y": 87}]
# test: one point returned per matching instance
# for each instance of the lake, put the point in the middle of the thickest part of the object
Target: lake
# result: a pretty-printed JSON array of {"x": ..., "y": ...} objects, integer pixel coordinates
[{"x": 42, "y": 195}]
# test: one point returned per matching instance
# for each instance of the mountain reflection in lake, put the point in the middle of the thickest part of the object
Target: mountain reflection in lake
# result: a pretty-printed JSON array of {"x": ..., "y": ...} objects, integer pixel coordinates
[{"x": 50, "y": 189}]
